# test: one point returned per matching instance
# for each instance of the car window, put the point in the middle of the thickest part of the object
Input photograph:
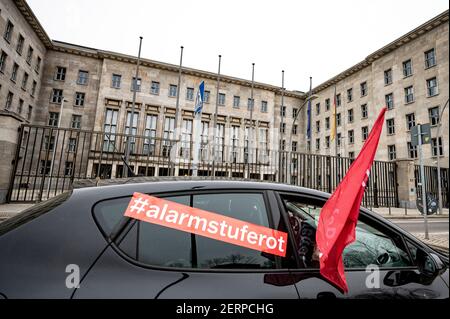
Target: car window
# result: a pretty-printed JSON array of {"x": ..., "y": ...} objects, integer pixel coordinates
[
  {"x": 216, "y": 254},
  {"x": 165, "y": 247},
  {"x": 371, "y": 247},
  {"x": 108, "y": 213}
]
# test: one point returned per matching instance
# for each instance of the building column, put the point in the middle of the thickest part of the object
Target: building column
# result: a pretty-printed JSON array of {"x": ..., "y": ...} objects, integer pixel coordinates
[
  {"x": 9, "y": 135},
  {"x": 406, "y": 186}
]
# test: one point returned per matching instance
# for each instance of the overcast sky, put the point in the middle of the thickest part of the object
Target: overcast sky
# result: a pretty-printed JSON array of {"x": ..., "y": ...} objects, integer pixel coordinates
[{"x": 318, "y": 38}]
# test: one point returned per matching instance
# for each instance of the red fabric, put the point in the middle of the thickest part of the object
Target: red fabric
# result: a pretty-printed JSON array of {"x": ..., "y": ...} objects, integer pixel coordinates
[{"x": 339, "y": 216}]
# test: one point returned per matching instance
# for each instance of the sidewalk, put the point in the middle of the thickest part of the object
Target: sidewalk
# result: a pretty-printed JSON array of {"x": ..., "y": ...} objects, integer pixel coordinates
[
  {"x": 10, "y": 210},
  {"x": 399, "y": 213}
]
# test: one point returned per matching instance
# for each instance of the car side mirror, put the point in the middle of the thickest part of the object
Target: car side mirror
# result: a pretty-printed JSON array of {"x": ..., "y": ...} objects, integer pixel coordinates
[{"x": 429, "y": 264}]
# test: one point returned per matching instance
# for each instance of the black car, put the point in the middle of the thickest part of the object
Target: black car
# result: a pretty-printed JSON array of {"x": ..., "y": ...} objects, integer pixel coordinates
[{"x": 80, "y": 245}]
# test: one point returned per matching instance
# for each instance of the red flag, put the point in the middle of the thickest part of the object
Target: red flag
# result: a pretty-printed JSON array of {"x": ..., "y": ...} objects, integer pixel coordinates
[{"x": 339, "y": 216}]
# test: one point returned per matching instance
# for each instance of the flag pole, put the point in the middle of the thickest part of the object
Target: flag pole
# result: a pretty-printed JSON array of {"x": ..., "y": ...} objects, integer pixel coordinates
[
  {"x": 281, "y": 157},
  {"x": 125, "y": 170},
  {"x": 177, "y": 113},
  {"x": 250, "y": 131},
  {"x": 215, "y": 119}
]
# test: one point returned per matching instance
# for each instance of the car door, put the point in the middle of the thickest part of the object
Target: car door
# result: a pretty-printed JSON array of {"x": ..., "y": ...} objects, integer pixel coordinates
[
  {"x": 151, "y": 261},
  {"x": 379, "y": 264}
]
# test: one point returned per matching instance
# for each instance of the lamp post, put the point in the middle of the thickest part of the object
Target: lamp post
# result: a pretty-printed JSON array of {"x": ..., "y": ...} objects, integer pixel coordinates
[
  {"x": 438, "y": 156},
  {"x": 54, "y": 144},
  {"x": 310, "y": 98}
]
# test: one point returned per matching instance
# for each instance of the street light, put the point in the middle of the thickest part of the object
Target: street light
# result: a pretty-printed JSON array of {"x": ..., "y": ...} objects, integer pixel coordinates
[
  {"x": 54, "y": 144},
  {"x": 310, "y": 98},
  {"x": 438, "y": 156}
]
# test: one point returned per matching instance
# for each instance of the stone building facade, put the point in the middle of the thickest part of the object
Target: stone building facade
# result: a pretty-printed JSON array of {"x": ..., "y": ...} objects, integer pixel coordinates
[{"x": 96, "y": 87}]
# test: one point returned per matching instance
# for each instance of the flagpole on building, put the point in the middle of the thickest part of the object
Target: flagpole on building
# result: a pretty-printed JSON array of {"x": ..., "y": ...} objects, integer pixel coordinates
[
  {"x": 250, "y": 132},
  {"x": 215, "y": 119},
  {"x": 133, "y": 107},
  {"x": 177, "y": 114},
  {"x": 281, "y": 157},
  {"x": 309, "y": 112}
]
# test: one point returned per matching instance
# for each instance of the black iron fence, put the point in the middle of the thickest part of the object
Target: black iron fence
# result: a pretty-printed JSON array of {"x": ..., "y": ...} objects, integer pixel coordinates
[
  {"x": 431, "y": 183},
  {"x": 48, "y": 160}
]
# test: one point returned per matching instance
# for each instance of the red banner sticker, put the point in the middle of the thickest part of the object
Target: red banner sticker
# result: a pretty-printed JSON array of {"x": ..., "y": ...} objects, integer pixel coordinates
[{"x": 200, "y": 222}]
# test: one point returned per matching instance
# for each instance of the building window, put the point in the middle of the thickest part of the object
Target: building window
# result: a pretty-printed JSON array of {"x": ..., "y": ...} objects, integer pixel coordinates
[
  {"x": 186, "y": 139},
  {"x": 33, "y": 88},
  {"x": 30, "y": 55},
  {"x": 407, "y": 68},
  {"x": 318, "y": 109},
  {"x": 136, "y": 84},
  {"x": 220, "y": 142},
  {"x": 294, "y": 112},
  {"x": 283, "y": 111},
  {"x": 25, "y": 81},
  {"x": 20, "y": 109},
  {"x": 236, "y": 101},
  {"x": 433, "y": 114},
  {"x": 250, "y": 104},
  {"x": 410, "y": 121},
  {"x": 79, "y": 99},
  {"x": 318, "y": 126},
  {"x": 110, "y": 130},
  {"x": 327, "y": 123},
  {"x": 8, "y": 31},
  {"x": 338, "y": 100},
  {"x": 57, "y": 96},
  {"x": 37, "y": 68},
  {"x": 388, "y": 77},
  {"x": 435, "y": 148},
  {"x": 351, "y": 137},
  {"x": 116, "y": 81},
  {"x": 76, "y": 122},
  {"x": 338, "y": 139},
  {"x": 390, "y": 124},
  {"x": 169, "y": 126},
  {"x": 53, "y": 119},
  {"x": 206, "y": 96},
  {"x": 131, "y": 129},
  {"x": 327, "y": 104},
  {"x": 19, "y": 47},
  {"x": 222, "y": 99},
  {"x": 9, "y": 100},
  {"x": 412, "y": 151},
  {"x": 295, "y": 129},
  {"x": 154, "y": 89},
  {"x": 338, "y": 120},
  {"x": 151, "y": 122},
  {"x": 190, "y": 94},
  {"x": 317, "y": 144},
  {"x": 45, "y": 167},
  {"x": 264, "y": 107},
  {"x": 364, "y": 90},
  {"x": 173, "y": 90},
  {"x": 432, "y": 87},
  {"x": 72, "y": 145},
  {"x": 350, "y": 115},
  {"x": 392, "y": 154},
  {"x": 365, "y": 132},
  {"x": 60, "y": 73},
  {"x": 327, "y": 142},
  {"x": 364, "y": 111},
  {"x": 235, "y": 144},
  {"x": 351, "y": 155},
  {"x": 389, "y": 100},
  {"x": 349, "y": 95},
  {"x": 14, "y": 72},
  {"x": 409, "y": 94},
  {"x": 68, "y": 171},
  {"x": 283, "y": 128},
  {"x": 83, "y": 77},
  {"x": 430, "y": 58},
  {"x": 49, "y": 143},
  {"x": 294, "y": 146},
  {"x": 30, "y": 112},
  {"x": 3, "y": 58}
]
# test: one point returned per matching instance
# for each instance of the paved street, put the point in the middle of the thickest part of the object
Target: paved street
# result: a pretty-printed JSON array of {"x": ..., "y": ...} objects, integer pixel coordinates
[{"x": 435, "y": 226}]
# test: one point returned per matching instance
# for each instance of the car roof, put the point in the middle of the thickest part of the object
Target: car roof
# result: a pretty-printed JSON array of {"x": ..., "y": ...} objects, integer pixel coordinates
[{"x": 128, "y": 186}]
